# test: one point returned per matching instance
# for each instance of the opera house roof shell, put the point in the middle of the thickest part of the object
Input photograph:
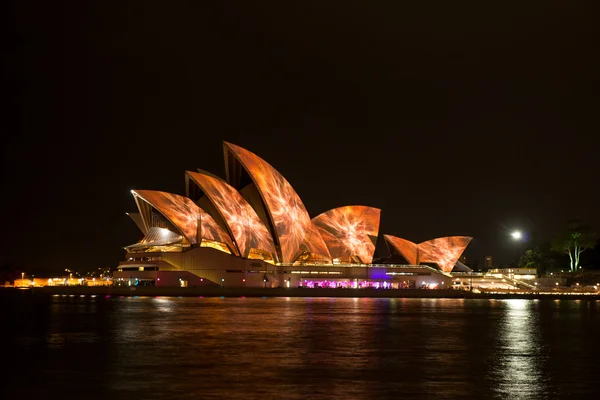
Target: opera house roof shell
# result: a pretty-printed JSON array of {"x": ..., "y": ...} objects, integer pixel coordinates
[
  {"x": 444, "y": 251},
  {"x": 194, "y": 224},
  {"x": 243, "y": 224},
  {"x": 350, "y": 231},
  {"x": 293, "y": 229},
  {"x": 256, "y": 213}
]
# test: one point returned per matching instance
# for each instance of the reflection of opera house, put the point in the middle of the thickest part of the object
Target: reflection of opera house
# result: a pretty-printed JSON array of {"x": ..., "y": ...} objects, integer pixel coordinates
[{"x": 253, "y": 230}]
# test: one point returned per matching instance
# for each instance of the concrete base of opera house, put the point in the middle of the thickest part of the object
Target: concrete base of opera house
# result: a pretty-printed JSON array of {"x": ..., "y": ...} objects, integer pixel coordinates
[{"x": 205, "y": 267}]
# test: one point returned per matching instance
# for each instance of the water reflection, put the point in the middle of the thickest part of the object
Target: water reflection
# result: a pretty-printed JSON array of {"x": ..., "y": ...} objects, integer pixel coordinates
[
  {"x": 273, "y": 348},
  {"x": 517, "y": 371}
]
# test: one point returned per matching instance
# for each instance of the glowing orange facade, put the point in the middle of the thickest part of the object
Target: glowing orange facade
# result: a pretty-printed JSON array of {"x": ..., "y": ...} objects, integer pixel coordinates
[
  {"x": 444, "y": 251},
  {"x": 258, "y": 215},
  {"x": 350, "y": 232},
  {"x": 184, "y": 214},
  {"x": 245, "y": 227},
  {"x": 293, "y": 229},
  {"x": 406, "y": 248}
]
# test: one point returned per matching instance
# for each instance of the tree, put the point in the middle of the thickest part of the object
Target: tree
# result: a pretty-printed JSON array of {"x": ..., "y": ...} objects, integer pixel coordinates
[
  {"x": 574, "y": 240},
  {"x": 8, "y": 273},
  {"x": 541, "y": 257},
  {"x": 530, "y": 259}
]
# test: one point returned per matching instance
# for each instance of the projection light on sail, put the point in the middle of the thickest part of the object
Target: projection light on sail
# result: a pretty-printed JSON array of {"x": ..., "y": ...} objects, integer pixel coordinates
[
  {"x": 244, "y": 225},
  {"x": 184, "y": 216},
  {"x": 405, "y": 248},
  {"x": 293, "y": 230},
  {"x": 350, "y": 232},
  {"x": 444, "y": 251}
]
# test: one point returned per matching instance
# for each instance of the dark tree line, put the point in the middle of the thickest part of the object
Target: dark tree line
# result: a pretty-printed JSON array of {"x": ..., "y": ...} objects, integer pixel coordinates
[
  {"x": 575, "y": 248},
  {"x": 9, "y": 272}
]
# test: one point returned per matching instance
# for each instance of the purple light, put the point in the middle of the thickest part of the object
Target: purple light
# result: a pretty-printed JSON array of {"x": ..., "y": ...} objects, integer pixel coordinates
[{"x": 378, "y": 273}]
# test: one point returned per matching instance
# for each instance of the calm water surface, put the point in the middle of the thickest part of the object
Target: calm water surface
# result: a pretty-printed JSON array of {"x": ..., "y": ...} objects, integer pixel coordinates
[{"x": 297, "y": 348}]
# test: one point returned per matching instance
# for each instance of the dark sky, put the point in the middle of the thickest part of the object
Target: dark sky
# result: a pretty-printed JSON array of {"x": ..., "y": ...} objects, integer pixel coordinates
[{"x": 453, "y": 117}]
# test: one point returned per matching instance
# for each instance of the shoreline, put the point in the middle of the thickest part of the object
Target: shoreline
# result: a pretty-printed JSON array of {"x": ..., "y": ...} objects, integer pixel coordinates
[{"x": 288, "y": 292}]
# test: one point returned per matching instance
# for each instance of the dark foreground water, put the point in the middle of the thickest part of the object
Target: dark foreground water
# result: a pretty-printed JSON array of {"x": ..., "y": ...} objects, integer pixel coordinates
[{"x": 295, "y": 348}]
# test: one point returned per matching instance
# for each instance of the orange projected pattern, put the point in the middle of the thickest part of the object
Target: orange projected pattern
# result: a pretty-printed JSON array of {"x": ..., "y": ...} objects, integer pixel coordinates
[
  {"x": 406, "y": 248},
  {"x": 347, "y": 231},
  {"x": 245, "y": 226},
  {"x": 184, "y": 214},
  {"x": 444, "y": 251},
  {"x": 290, "y": 219},
  {"x": 306, "y": 251}
]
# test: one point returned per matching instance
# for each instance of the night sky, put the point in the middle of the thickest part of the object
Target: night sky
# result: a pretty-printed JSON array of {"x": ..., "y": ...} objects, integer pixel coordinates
[{"x": 453, "y": 117}]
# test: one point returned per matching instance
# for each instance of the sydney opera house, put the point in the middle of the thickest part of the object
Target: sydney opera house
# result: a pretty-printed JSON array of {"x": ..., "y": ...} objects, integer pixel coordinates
[{"x": 251, "y": 229}]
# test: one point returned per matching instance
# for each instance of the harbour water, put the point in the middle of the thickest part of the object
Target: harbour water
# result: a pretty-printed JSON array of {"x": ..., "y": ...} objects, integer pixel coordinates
[{"x": 72, "y": 347}]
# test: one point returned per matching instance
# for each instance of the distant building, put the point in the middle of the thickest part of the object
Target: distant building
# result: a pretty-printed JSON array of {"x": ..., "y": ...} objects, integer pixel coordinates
[
  {"x": 488, "y": 262},
  {"x": 514, "y": 273}
]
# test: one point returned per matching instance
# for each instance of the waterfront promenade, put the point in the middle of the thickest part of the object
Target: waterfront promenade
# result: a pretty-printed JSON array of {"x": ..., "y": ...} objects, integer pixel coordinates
[{"x": 292, "y": 292}]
